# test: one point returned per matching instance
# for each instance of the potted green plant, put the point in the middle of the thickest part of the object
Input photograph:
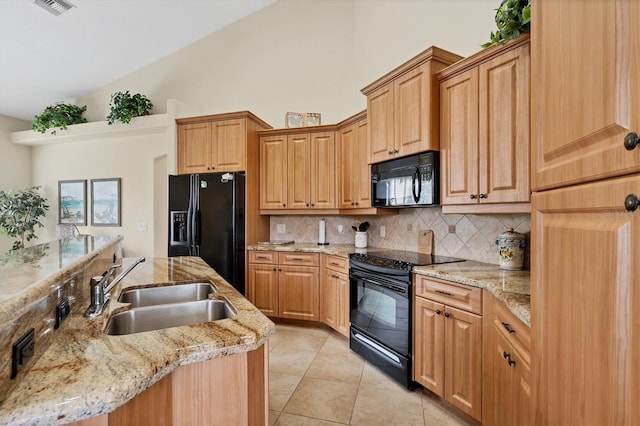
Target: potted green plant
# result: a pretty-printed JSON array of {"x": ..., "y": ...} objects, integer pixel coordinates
[
  {"x": 124, "y": 106},
  {"x": 512, "y": 18},
  {"x": 20, "y": 213},
  {"x": 59, "y": 115}
]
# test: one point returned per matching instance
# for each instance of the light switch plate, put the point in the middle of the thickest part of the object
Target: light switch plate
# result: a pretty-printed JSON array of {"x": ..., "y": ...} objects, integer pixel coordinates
[{"x": 281, "y": 228}]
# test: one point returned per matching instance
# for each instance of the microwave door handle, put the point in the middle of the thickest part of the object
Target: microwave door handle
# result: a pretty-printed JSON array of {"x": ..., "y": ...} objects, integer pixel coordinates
[{"x": 416, "y": 178}]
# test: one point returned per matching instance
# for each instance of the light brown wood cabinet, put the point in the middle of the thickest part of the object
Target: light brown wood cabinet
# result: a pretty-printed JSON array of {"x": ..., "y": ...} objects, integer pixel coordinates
[
  {"x": 585, "y": 91},
  {"x": 506, "y": 393},
  {"x": 447, "y": 350},
  {"x": 298, "y": 170},
  {"x": 285, "y": 284},
  {"x": 584, "y": 273},
  {"x": 402, "y": 107},
  {"x": 334, "y": 293},
  {"x": 354, "y": 171},
  {"x": 484, "y": 131},
  {"x": 212, "y": 146}
]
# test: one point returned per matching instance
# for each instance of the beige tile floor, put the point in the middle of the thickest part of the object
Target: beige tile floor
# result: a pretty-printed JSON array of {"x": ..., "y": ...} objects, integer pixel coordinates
[{"x": 315, "y": 379}]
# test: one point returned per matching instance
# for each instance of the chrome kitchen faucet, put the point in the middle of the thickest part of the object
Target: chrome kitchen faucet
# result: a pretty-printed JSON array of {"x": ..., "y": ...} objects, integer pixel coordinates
[{"x": 100, "y": 288}]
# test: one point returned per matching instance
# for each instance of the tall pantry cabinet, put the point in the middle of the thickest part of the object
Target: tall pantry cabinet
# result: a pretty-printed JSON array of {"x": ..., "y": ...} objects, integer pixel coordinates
[{"x": 585, "y": 275}]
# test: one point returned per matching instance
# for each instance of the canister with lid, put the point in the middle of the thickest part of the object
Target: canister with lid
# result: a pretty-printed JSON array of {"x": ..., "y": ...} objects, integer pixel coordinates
[{"x": 511, "y": 247}]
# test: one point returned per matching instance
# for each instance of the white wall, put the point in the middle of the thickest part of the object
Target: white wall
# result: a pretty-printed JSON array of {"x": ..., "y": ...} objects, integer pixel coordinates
[
  {"x": 15, "y": 165},
  {"x": 304, "y": 56},
  {"x": 132, "y": 159}
]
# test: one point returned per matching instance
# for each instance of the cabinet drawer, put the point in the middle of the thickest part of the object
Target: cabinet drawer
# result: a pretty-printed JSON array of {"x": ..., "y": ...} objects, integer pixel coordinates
[
  {"x": 336, "y": 263},
  {"x": 514, "y": 330},
  {"x": 452, "y": 294},
  {"x": 298, "y": 259},
  {"x": 263, "y": 257}
]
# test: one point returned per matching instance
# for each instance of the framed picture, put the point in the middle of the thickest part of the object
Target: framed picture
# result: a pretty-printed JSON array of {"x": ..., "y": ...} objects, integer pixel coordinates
[
  {"x": 105, "y": 202},
  {"x": 72, "y": 202}
]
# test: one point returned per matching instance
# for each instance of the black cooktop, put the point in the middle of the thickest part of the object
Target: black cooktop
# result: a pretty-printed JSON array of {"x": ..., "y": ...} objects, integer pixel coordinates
[{"x": 398, "y": 259}]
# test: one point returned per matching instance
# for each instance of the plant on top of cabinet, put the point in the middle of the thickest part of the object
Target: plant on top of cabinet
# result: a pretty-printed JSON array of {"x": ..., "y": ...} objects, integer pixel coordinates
[
  {"x": 20, "y": 213},
  {"x": 124, "y": 107},
  {"x": 512, "y": 18},
  {"x": 59, "y": 115}
]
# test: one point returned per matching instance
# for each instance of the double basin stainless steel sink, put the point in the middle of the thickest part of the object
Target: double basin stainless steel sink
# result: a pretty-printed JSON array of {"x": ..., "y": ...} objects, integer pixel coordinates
[{"x": 155, "y": 308}]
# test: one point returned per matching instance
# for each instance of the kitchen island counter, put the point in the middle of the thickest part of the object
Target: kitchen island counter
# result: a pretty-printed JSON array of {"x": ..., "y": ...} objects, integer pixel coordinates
[{"x": 85, "y": 373}]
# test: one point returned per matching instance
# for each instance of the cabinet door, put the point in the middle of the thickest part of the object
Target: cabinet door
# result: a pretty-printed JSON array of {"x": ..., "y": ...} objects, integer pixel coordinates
[
  {"x": 273, "y": 172},
  {"x": 298, "y": 292},
  {"x": 412, "y": 112},
  {"x": 229, "y": 150},
  {"x": 459, "y": 139},
  {"x": 521, "y": 391},
  {"x": 585, "y": 290},
  {"x": 323, "y": 170},
  {"x": 329, "y": 298},
  {"x": 342, "y": 284},
  {"x": 380, "y": 104},
  {"x": 428, "y": 348},
  {"x": 463, "y": 361},
  {"x": 262, "y": 289},
  {"x": 348, "y": 147},
  {"x": 497, "y": 403},
  {"x": 585, "y": 90},
  {"x": 504, "y": 128},
  {"x": 194, "y": 148},
  {"x": 299, "y": 157},
  {"x": 360, "y": 168}
]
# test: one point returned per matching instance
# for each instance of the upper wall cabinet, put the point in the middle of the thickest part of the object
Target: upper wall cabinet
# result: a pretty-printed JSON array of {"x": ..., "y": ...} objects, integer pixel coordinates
[
  {"x": 402, "y": 107},
  {"x": 354, "y": 174},
  {"x": 216, "y": 143},
  {"x": 585, "y": 112},
  {"x": 298, "y": 169},
  {"x": 484, "y": 131}
]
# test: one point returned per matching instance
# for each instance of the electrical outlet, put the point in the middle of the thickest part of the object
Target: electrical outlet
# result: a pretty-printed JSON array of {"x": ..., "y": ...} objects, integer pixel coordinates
[
  {"x": 281, "y": 228},
  {"x": 410, "y": 227},
  {"x": 22, "y": 350},
  {"x": 340, "y": 229},
  {"x": 142, "y": 227},
  {"x": 452, "y": 229},
  {"x": 383, "y": 231},
  {"x": 62, "y": 311}
]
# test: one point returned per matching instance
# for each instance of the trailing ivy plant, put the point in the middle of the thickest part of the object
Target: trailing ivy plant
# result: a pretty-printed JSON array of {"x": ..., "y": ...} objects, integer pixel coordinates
[
  {"x": 124, "y": 107},
  {"x": 59, "y": 115},
  {"x": 512, "y": 18},
  {"x": 20, "y": 213}
]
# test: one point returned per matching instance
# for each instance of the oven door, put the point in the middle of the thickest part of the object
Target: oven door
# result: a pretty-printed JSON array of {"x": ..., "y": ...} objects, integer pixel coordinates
[{"x": 380, "y": 309}]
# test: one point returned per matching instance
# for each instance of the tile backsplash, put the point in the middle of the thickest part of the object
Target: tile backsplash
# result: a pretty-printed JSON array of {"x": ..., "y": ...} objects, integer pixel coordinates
[{"x": 473, "y": 238}]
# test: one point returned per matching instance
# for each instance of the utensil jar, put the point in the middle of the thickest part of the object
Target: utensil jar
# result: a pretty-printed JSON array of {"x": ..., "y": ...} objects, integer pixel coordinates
[{"x": 361, "y": 239}]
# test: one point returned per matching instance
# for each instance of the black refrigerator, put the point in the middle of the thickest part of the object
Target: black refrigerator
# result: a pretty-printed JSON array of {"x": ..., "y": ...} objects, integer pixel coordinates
[{"x": 206, "y": 219}]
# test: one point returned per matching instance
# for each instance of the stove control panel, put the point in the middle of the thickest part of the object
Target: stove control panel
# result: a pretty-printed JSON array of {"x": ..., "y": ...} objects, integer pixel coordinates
[{"x": 381, "y": 262}]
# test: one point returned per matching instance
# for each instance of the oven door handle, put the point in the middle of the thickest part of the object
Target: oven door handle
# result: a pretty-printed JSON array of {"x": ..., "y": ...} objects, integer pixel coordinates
[
  {"x": 373, "y": 345},
  {"x": 394, "y": 288}
]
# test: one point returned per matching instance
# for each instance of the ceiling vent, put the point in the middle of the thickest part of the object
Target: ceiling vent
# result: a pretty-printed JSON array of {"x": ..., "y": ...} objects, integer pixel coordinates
[{"x": 56, "y": 7}]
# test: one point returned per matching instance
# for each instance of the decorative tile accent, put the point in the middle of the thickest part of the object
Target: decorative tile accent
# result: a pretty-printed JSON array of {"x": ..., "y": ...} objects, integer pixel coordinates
[{"x": 474, "y": 238}]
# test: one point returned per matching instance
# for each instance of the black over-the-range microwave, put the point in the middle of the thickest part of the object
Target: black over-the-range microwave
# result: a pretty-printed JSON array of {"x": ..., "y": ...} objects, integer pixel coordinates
[{"x": 406, "y": 182}]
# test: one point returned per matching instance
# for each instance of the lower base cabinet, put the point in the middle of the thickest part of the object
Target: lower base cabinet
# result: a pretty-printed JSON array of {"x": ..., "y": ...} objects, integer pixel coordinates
[
  {"x": 447, "y": 350},
  {"x": 334, "y": 293},
  {"x": 506, "y": 384},
  {"x": 191, "y": 395}
]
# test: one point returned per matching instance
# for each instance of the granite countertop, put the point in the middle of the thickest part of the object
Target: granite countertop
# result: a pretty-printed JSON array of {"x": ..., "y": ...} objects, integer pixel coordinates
[
  {"x": 509, "y": 287},
  {"x": 32, "y": 273},
  {"x": 86, "y": 373}
]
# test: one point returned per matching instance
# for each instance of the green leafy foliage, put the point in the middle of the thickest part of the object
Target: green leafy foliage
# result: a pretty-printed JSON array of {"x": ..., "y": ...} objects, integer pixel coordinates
[
  {"x": 20, "y": 213},
  {"x": 512, "y": 18},
  {"x": 124, "y": 107},
  {"x": 59, "y": 115}
]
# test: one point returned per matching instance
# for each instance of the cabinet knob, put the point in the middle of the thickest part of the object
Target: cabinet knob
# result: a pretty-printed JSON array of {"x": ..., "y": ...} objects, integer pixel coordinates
[
  {"x": 438, "y": 311},
  {"x": 395, "y": 151},
  {"x": 353, "y": 204},
  {"x": 631, "y": 141},
  {"x": 390, "y": 152},
  {"x": 483, "y": 195},
  {"x": 511, "y": 362},
  {"x": 356, "y": 203},
  {"x": 631, "y": 202},
  {"x": 447, "y": 315},
  {"x": 307, "y": 204},
  {"x": 284, "y": 205},
  {"x": 506, "y": 354},
  {"x": 472, "y": 196},
  {"x": 313, "y": 204},
  {"x": 274, "y": 269}
]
